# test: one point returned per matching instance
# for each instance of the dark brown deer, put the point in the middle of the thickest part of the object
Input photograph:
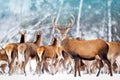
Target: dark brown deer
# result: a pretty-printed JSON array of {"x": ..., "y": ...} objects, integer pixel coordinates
[
  {"x": 85, "y": 49},
  {"x": 11, "y": 51},
  {"x": 27, "y": 51}
]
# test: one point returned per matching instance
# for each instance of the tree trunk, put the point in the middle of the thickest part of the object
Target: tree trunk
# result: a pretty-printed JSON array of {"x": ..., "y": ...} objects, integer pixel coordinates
[
  {"x": 109, "y": 21},
  {"x": 78, "y": 32}
]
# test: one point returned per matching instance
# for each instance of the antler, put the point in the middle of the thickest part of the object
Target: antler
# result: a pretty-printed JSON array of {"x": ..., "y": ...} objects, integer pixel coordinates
[
  {"x": 57, "y": 26},
  {"x": 72, "y": 22},
  {"x": 53, "y": 21},
  {"x": 63, "y": 31}
]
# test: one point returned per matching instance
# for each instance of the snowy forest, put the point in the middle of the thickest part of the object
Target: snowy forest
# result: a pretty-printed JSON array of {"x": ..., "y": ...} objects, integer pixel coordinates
[{"x": 93, "y": 18}]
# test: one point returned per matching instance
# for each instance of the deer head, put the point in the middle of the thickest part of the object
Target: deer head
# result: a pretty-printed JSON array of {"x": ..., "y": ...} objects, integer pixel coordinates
[
  {"x": 23, "y": 36},
  {"x": 63, "y": 31},
  {"x": 38, "y": 35}
]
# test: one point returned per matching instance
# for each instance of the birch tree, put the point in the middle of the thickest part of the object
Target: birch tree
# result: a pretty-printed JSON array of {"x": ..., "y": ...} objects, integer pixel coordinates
[
  {"x": 109, "y": 21},
  {"x": 78, "y": 32},
  {"x": 57, "y": 18}
]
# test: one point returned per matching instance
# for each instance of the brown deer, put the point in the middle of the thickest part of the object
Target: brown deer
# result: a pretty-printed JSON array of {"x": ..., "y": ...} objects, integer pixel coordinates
[
  {"x": 48, "y": 56},
  {"x": 3, "y": 60},
  {"x": 27, "y": 51},
  {"x": 113, "y": 56},
  {"x": 67, "y": 59},
  {"x": 85, "y": 49},
  {"x": 11, "y": 51},
  {"x": 114, "y": 53}
]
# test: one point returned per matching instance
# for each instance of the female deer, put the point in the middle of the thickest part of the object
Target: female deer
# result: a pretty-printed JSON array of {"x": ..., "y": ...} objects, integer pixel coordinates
[
  {"x": 49, "y": 56},
  {"x": 11, "y": 51},
  {"x": 27, "y": 51}
]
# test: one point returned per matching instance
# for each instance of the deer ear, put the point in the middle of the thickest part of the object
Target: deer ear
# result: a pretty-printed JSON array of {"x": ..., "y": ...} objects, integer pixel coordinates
[
  {"x": 20, "y": 32},
  {"x": 36, "y": 32}
]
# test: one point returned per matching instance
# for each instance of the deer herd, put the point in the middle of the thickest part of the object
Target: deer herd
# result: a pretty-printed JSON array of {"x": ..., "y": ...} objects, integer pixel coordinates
[{"x": 70, "y": 55}]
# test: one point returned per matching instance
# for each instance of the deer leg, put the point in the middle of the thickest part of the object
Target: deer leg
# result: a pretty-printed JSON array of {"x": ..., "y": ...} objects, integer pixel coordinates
[
  {"x": 30, "y": 64},
  {"x": 3, "y": 69},
  {"x": 109, "y": 66},
  {"x": 105, "y": 59},
  {"x": 76, "y": 66},
  {"x": 45, "y": 67},
  {"x": 24, "y": 65},
  {"x": 100, "y": 65},
  {"x": 98, "y": 72},
  {"x": 11, "y": 67},
  {"x": 79, "y": 65},
  {"x": 38, "y": 67},
  {"x": 64, "y": 62},
  {"x": 42, "y": 67}
]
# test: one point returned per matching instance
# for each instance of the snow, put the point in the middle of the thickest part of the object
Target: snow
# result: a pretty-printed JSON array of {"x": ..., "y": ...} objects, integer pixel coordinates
[{"x": 59, "y": 76}]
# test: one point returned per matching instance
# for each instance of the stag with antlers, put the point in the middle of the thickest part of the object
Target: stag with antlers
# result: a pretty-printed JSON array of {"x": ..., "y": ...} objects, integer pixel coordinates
[
  {"x": 84, "y": 49},
  {"x": 63, "y": 31}
]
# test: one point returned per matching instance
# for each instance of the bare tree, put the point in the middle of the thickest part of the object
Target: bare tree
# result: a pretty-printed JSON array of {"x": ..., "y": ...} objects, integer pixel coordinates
[
  {"x": 58, "y": 15},
  {"x": 109, "y": 21},
  {"x": 78, "y": 33}
]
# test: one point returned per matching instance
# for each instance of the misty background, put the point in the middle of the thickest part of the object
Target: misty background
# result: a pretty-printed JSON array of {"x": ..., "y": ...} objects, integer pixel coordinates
[{"x": 93, "y": 18}]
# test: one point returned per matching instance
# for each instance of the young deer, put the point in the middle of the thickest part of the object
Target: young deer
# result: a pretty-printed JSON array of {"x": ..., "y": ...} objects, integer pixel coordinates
[{"x": 84, "y": 49}]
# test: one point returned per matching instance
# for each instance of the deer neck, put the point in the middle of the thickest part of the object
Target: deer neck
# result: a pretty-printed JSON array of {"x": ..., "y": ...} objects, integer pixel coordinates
[
  {"x": 22, "y": 40},
  {"x": 54, "y": 42},
  {"x": 38, "y": 40}
]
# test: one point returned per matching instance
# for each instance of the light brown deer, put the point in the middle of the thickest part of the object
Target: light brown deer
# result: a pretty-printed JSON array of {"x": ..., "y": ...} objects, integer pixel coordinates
[
  {"x": 85, "y": 49},
  {"x": 63, "y": 33},
  {"x": 27, "y": 51},
  {"x": 114, "y": 54},
  {"x": 3, "y": 60},
  {"x": 48, "y": 56},
  {"x": 11, "y": 51}
]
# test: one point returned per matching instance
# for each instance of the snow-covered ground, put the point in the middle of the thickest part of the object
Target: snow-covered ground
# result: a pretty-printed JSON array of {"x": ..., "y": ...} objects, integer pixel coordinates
[{"x": 59, "y": 76}]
